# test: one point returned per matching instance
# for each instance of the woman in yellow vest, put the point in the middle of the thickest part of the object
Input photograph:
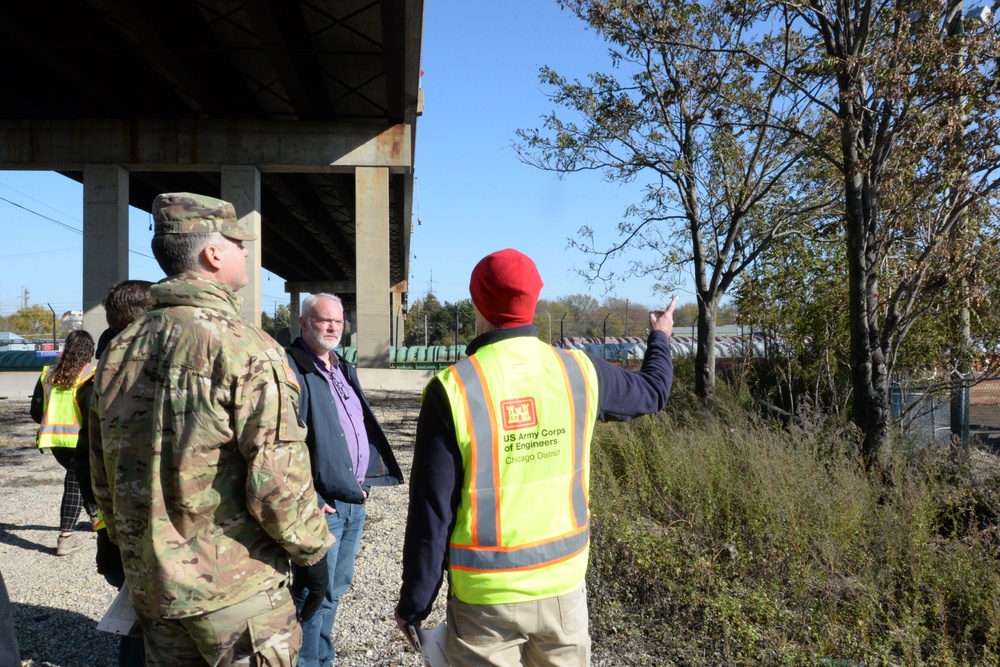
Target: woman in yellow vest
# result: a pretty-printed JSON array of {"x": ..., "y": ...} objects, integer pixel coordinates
[{"x": 60, "y": 405}]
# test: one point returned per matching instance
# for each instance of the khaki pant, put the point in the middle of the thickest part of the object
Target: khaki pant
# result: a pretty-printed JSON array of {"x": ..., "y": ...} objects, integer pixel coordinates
[
  {"x": 552, "y": 632},
  {"x": 257, "y": 632}
]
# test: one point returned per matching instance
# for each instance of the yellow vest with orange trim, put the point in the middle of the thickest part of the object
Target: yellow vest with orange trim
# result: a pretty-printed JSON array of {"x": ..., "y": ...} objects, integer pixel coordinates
[
  {"x": 524, "y": 415},
  {"x": 61, "y": 420}
]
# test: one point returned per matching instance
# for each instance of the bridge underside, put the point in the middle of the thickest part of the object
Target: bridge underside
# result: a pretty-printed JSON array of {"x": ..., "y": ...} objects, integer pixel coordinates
[{"x": 303, "y": 114}]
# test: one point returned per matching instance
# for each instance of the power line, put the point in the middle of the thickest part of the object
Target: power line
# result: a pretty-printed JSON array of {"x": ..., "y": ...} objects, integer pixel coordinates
[
  {"x": 42, "y": 215},
  {"x": 38, "y": 201},
  {"x": 40, "y": 252},
  {"x": 60, "y": 224}
]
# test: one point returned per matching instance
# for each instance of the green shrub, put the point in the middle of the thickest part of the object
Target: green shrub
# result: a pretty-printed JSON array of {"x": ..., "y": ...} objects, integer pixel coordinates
[{"x": 721, "y": 539}]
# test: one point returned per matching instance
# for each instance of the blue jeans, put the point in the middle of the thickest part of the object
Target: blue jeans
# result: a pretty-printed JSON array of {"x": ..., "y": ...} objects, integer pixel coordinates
[{"x": 346, "y": 525}]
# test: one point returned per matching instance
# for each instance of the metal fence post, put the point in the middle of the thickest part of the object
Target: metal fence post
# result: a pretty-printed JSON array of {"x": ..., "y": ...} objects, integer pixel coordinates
[{"x": 960, "y": 407}]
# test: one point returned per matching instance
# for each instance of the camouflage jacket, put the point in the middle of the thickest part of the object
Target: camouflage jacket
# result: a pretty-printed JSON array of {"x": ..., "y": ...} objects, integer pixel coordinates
[{"x": 198, "y": 456}]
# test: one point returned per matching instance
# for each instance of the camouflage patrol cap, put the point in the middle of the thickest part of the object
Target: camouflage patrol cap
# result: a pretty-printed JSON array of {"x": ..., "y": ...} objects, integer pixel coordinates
[{"x": 187, "y": 213}]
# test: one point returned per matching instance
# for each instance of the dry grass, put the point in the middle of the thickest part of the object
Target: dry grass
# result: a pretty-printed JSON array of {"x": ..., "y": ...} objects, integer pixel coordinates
[{"x": 720, "y": 539}]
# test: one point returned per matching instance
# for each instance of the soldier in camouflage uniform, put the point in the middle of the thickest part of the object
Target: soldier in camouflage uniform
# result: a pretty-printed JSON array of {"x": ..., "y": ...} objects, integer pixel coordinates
[{"x": 198, "y": 457}]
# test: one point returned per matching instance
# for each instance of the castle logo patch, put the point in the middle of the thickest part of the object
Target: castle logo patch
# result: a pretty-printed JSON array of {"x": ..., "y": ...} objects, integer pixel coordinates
[{"x": 518, "y": 413}]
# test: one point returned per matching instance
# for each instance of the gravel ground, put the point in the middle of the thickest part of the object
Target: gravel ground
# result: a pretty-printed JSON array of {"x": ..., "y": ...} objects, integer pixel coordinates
[{"x": 58, "y": 601}]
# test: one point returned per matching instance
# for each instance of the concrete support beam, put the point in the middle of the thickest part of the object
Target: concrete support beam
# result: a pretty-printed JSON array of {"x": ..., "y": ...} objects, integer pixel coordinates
[
  {"x": 372, "y": 243},
  {"x": 350, "y": 327},
  {"x": 105, "y": 239},
  {"x": 241, "y": 188},
  {"x": 293, "y": 315},
  {"x": 204, "y": 145},
  {"x": 338, "y": 287},
  {"x": 398, "y": 312}
]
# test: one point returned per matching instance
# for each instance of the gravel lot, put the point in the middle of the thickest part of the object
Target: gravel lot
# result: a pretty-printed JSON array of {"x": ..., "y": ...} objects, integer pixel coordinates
[{"x": 58, "y": 601}]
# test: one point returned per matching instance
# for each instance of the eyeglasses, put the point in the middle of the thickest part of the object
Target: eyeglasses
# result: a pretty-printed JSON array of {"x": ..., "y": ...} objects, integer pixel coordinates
[{"x": 341, "y": 389}]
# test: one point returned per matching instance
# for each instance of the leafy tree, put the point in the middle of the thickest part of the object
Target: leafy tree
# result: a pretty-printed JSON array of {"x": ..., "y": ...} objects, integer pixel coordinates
[
  {"x": 278, "y": 326},
  {"x": 34, "y": 320},
  {"x": 745, "y": 109},
  {"x": 728, "y": 314},
  {"x": 685, "y": 315},
  {"x": 582, "y": 319},
  {"x": 910, "y": 119},
  {"x": 625, "y": 317},
  {"x": 795, "y": 296},
  {"x": 428, "y": 322},
  {"x": 703, "y": 125},
  {"x": 580, "y": 315},
  {"x": 555, "y": 321}
]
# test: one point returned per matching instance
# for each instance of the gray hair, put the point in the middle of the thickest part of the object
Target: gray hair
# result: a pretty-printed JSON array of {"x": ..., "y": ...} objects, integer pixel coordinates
[
  {"x": 310, "y": 302},
  {"x": 177, "y": 253}
]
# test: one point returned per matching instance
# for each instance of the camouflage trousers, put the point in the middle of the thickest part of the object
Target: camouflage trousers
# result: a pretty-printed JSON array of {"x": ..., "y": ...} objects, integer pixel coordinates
[{"x": 258, "y": 632}]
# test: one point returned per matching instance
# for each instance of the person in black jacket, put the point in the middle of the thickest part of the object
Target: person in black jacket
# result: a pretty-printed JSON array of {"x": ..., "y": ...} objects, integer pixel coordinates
[
  {"x": 123, "y": 304},
  {"x": 349, "y": 454},
  {"x": 506, "y": 429}
]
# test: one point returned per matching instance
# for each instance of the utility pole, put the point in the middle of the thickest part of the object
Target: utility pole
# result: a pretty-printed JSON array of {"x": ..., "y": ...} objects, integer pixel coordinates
[
  {"x": 604, "y": 350},
  {"x": 54, "y": 345}
]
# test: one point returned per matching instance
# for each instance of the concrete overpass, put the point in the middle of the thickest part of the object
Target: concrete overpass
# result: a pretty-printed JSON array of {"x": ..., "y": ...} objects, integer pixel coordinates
[{"x": 303, "y": 114}]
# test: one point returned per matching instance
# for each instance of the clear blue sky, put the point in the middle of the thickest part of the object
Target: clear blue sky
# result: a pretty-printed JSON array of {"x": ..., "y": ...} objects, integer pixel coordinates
[{"x": 480, "y": 63}]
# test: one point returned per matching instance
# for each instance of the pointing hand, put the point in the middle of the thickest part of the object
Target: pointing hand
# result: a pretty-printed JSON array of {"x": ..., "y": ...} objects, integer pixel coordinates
[{"x": 663, "y": 320}]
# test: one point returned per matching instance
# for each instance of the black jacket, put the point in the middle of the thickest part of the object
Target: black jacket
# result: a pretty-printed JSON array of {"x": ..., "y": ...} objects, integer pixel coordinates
[{"x": 333, "y": 471}]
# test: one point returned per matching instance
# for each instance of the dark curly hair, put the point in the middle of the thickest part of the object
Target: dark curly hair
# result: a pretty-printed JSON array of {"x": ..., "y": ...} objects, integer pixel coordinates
[{"x": 77, "y": 353}]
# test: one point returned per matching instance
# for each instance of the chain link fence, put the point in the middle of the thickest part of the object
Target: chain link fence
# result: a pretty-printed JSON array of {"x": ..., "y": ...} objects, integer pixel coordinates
[
  {"x": 984, "y": 412},
  {"x": 934, "y": 416}
]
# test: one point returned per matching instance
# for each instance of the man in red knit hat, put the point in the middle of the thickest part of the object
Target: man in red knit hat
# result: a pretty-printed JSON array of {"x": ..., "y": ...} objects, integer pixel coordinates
[{"x": 500, "y": 481}]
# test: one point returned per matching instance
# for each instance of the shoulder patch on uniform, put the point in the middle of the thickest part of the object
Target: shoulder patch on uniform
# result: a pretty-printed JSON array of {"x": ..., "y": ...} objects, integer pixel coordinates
[{"x": 290, "y": 376}]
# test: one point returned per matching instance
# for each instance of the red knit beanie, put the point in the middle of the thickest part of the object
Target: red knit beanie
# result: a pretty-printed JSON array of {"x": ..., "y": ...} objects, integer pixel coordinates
[{"x": 505, "y": 286}]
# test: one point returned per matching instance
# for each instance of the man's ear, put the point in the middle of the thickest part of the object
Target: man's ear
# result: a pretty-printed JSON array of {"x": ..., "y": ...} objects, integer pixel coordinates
[{"x": 211, "y": 255}]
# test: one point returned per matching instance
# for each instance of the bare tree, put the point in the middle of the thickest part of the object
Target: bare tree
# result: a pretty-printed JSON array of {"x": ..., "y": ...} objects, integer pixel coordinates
[
  {"x": 729, "y": 105},
  {"x": 705, "y": 124}
]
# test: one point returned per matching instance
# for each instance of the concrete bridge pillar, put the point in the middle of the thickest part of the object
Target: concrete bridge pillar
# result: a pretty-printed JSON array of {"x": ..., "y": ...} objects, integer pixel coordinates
[
  {"x": 294, "y": 314},
  {"x": 105, "y": 239},
  {"x": 241, "y": 188},
  {"x": 372, "y": 260}
]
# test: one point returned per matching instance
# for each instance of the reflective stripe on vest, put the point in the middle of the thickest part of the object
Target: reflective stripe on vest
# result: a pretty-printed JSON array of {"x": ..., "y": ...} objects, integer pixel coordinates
[
  {"x": 60, "y": 425},
  {"x": 486, "y": 553}
]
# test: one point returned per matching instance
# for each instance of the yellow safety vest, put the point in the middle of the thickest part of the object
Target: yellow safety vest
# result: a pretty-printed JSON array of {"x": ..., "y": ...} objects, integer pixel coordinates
[
  {"x": 524, "y": 416},
  {"x": 61, "y": 421}
]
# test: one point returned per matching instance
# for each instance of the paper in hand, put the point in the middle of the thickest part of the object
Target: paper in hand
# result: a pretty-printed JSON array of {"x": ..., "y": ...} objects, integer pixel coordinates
[
  {"x": 432, "y": 645},
  {"x": 120, "y": 616}
]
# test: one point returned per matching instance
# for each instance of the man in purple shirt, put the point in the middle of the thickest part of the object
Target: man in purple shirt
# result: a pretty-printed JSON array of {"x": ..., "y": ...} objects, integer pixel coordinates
[{"x": 349, "y": 454}]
